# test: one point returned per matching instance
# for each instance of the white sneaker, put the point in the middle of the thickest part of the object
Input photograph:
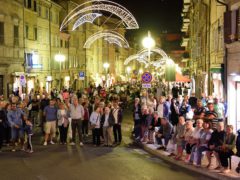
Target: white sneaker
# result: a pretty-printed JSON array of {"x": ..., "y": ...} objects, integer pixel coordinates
[
  {"x": 81, "y": 144},
  {"x": 72, "y": 143},
  {"x": 51, "y": 142},
  {"x": 45, "y": 143}
]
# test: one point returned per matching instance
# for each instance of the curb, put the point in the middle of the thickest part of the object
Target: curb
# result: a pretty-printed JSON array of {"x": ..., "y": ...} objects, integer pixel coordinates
[{"x": 202, "y": 171}]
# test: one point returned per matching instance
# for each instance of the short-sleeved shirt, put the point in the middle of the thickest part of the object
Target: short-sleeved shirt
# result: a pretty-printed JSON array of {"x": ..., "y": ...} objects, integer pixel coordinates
[{"x": 51, "y": 113}]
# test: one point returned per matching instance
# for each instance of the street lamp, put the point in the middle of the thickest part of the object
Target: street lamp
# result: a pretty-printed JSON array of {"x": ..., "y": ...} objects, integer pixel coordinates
[
  {"x": 106, "y": 66},
  {"x": 148, "y": 42},
  {"x": 128, "y": 72},
  {"x": 60, "y": 58}
]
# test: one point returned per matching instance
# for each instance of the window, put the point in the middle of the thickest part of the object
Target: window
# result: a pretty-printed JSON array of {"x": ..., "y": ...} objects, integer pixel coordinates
[
  {"x": 26, "y": 31},
  {"x": 66, "y": 44},
  {"x": 16, "y": 35},
  {"x": 1, "y": 33},
  {"x": 57, "y": 19},
  {"x": 61, "y": 43},
  {"x": 35, "y": 5},
  {"x": 25, "y": 3},
  {"x": 39, "y": 11},
  {"x": 46, "y": 14},
  {"x": 35, "y": 33},
  {"x": 51, "y": 16},
  {"x": 29, "y": 5},
  {"x": 28, "y": 59}
]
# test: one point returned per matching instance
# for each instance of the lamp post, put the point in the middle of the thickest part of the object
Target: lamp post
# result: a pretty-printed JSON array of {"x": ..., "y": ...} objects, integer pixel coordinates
[
  {"x": 148, "y": 42},
  {"x": 128, "y": 72},
  {"x": 106, "y": 66},
  {"x": 60, "y": 58}
]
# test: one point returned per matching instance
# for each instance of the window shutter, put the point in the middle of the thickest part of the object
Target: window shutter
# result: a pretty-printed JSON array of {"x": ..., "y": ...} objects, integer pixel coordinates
[{"x": 231, "y": 19}]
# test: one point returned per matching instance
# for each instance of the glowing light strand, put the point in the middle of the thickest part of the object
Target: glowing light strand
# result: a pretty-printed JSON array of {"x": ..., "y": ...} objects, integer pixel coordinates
[
  {"x": 102, "y": 5},
  {"x": 113, "y": 40},
  {"x": 86, "y": 18},
  {"x": 106, "y": 34}
]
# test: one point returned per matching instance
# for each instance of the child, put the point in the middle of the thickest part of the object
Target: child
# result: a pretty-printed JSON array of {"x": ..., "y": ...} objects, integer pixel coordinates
[{"x": 28, "y": 129}]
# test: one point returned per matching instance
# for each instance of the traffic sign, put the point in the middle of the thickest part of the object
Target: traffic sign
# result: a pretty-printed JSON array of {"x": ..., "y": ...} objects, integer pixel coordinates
[
  {"x": 22, "y": 80},
  {"x": 81, "y": 75},
  {"x": 146, "y": 86},
  {"x": 147, "y": 77}
]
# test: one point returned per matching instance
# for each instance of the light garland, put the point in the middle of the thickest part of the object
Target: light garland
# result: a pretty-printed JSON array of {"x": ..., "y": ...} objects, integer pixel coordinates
[
  {"x": 142, "y": 55},
  {"x": 113, "y": 40},
  {"x": 102, "y": 5},
  {"x": 86, "y": 18},
  {"x": 114, "y": 37}
]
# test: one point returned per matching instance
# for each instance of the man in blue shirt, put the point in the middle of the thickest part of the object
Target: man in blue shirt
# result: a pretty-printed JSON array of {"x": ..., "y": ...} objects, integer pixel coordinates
[
  {"x": 50, "y": 112},
  {"x": 15, "y": 118}
]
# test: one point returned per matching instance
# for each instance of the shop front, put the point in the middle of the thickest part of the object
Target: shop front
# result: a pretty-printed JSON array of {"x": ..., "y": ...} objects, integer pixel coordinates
[
  {"x": 233, "y": 84},
  {"x": 217, "y": 82}
]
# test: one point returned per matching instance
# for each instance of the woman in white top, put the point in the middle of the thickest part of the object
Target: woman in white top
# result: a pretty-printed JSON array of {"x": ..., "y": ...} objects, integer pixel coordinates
[
  {"x": 192, "y": 141},
  {"x": 95, "y": 119},
  {"x": 62, "y": 116}
]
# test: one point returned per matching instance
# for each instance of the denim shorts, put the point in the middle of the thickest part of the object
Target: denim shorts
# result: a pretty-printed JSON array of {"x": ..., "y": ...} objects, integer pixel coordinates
[{"x": 17, "y": 133}]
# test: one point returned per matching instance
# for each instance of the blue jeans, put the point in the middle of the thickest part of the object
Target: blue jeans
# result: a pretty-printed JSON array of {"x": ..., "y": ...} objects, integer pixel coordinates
[
  {"x": 166, "y": 139},
  {"x": 17, "y": 133},
  {"x": 198, "y": 150}
]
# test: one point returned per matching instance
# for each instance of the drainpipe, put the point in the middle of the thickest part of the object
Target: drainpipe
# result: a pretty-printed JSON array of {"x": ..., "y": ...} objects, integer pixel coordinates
[
  {"x": 225, "y": 62},
  {"x": 50, "y": 45},
  {"x": 209, "y": 56}
]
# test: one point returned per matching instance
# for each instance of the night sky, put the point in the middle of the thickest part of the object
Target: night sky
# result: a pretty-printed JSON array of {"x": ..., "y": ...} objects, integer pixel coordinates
[{"x": 155, "y": 15}]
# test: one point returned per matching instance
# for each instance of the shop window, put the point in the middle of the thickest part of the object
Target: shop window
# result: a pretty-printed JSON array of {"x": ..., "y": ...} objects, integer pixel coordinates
[{"x": 1, "y": 33}]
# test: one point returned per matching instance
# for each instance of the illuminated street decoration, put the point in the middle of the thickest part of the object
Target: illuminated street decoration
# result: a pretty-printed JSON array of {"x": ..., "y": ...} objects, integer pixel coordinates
[
  {"x": 142, "y": 57},
  {"x": 115, "y": 38},
  {"x": 127, "y": 19},
  {"x": 86, "y": 18},
  {"x": 155, "y": 50}
]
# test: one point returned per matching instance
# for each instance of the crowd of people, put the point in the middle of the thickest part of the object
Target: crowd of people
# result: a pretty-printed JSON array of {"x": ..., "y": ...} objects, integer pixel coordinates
[
  {"x": 186, "y": 124},
  {"x": 71, "y": 115}
]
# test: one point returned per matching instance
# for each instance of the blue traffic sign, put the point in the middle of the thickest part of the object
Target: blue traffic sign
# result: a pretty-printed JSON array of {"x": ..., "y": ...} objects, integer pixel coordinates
[
  {"x": 81, "y": 74},
  {"x": 147, "y": 77}
]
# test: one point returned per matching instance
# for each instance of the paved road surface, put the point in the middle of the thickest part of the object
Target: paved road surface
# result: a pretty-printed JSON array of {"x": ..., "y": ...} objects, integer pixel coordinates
[{"x": 58, "y": 162}]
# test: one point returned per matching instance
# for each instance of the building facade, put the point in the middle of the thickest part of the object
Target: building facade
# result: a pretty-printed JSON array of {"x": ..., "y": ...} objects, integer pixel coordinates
[
  {"x": 30, "y": 40},
  {"x": 232, "y": 64},
  {"x": 203, "y": 28}
]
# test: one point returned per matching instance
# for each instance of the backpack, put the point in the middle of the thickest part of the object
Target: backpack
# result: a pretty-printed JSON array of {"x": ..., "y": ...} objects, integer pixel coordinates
[{"x": 238, "y": 143}]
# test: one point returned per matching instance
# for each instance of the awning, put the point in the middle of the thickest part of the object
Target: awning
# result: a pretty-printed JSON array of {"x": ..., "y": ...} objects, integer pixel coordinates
[
  {"x": 216, "y": 70},
  {"x": 181, "y": 78}
]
